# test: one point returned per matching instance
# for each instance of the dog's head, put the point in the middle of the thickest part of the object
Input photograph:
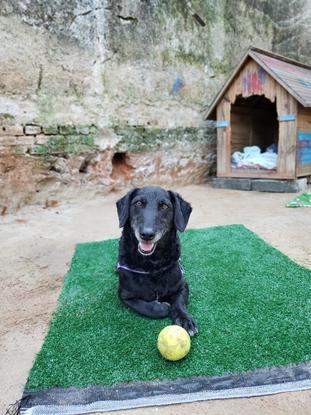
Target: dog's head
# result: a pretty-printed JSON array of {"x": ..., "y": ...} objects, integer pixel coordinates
[{"x": 152, "y": 212}]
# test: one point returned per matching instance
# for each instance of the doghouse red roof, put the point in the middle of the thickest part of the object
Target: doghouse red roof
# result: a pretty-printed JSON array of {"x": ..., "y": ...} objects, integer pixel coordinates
[{"x": 294, "y": 76}]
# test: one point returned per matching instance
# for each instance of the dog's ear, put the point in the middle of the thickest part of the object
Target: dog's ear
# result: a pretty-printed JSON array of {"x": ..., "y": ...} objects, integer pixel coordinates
[
  {"x": 182, "y": 210},
  {"x": 123, "y": 207}
]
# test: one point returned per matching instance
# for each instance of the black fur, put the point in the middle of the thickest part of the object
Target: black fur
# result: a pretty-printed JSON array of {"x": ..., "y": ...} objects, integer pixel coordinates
[{"x": 154, "y": 214}]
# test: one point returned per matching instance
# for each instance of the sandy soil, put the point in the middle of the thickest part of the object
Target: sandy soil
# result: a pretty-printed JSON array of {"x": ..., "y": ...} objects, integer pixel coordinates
[{"x": 36, "y": 246}]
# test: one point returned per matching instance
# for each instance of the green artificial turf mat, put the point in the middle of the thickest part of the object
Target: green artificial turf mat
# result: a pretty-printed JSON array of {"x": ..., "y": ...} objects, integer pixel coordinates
[
  {"x": 252, "y": 305},
  {"x": 303, "y": 200}
]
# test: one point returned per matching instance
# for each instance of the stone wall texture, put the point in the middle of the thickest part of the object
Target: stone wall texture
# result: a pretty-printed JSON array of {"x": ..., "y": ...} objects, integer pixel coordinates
[{"x": 105, "y": 94}]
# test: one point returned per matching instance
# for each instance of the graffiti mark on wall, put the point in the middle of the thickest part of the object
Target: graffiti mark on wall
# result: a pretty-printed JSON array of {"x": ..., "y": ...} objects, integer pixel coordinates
[
  {"x": 178, "y": 85},
  {"x": 253, "y": 81}
]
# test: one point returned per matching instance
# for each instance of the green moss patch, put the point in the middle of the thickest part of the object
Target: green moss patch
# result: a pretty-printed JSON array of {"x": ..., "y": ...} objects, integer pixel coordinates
[
  {"x": 139, "y": 139},
  {"x": 66, "y": 144}
]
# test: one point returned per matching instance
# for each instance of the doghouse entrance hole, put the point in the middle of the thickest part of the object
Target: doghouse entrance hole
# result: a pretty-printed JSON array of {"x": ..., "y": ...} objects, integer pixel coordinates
[
  {"x": 121, "y": 169},
  {"x": 254, "y": 122}
]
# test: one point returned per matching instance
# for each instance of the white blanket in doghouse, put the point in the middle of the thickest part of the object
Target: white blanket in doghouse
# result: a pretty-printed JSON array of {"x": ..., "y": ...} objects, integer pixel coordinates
[{"x": 253, "y": 158}]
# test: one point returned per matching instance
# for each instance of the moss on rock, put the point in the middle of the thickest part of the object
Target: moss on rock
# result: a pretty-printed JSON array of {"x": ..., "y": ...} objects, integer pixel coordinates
[
  {"x": 138, "y": 139},
  {"x": 71, "y": 144}
]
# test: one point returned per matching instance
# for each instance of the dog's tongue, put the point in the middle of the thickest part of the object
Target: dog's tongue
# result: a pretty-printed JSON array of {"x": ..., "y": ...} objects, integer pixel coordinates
[{"x": 146, "y": 246}]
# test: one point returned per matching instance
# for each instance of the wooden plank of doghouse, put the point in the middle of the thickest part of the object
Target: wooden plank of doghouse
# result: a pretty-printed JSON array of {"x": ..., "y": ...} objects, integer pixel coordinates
[
  {"x": 258, "y": 174},
  {"x": 304, "y": 122},
  {"x": 252, "y": 80},
  {"x": 286, "y": 104},
  {"x": 223, "y": 139},
  {"x": 271, "y": 88},
  {"x": 304, "y": 171},
  {"x": 292, "y": 137},
  {"x": 240, "y": 129},
  {"x": 304, "y": 118},
  {"x": 303, "y": 141},
  {"x": 304, "y": 153}
]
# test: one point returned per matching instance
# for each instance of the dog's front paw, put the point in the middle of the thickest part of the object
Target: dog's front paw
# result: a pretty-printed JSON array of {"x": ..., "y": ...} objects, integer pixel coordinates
[
  {"x": 186, "y": 321},
  {"x": 161, "y": 309}
]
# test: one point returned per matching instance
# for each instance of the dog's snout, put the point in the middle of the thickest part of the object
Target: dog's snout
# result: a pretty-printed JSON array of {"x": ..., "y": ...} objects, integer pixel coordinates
[{"x": 147, "y": 234}]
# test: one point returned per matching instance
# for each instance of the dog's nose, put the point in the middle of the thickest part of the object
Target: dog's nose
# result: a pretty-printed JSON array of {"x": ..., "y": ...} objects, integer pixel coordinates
[{"x": 147, "y": 234}]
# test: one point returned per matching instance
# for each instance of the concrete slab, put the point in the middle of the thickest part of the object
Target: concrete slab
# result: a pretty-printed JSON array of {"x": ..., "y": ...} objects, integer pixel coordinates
[
  {"x": 279, "y": 186},
  {"x": 261, "y": 185},
  {"x": 228, "y": 183}
]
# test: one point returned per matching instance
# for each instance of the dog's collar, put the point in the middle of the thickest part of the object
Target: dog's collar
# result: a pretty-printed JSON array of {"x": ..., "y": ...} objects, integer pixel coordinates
[{"x": 137, "y": 271}]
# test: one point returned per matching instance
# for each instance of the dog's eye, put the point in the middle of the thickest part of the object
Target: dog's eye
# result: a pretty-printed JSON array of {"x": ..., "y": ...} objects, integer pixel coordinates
[
  {"x": 163, "y": 206},
  {"x": 139, "y": 203}
]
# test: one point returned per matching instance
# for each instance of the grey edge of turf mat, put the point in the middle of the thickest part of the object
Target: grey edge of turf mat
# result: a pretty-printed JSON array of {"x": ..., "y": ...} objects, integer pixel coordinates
[{"x": 73, "y": 401}]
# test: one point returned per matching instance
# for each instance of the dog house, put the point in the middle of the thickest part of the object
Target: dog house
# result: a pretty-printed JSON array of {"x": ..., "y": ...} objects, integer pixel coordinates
[{"x": 265, "y": 106}]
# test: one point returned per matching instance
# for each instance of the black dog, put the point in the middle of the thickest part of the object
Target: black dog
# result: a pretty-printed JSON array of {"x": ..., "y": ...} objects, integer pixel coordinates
[{"x": 150, "y": 274}]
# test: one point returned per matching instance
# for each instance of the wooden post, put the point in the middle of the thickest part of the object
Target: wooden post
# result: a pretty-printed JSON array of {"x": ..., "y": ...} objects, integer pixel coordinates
[
  {"x": 286, "y": 107},
  {"x": 224, "y": 139}
]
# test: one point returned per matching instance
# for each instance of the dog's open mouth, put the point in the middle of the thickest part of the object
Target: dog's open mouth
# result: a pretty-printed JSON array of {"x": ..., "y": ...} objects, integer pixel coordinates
[{"x": 146, "y": 248}]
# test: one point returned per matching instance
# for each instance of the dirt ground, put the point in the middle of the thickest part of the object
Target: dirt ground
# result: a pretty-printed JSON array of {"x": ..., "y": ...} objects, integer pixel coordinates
[{"x": 36, "y": 246}]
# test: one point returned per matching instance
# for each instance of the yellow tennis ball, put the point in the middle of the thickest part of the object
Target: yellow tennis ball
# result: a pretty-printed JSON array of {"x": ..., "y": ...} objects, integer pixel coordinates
[{"x": 174, "y": 342}]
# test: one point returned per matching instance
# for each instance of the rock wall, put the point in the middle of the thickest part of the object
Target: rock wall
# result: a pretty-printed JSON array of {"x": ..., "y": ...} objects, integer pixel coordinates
[
  {"x": 83, "y": 78},
  {"x": 44, "y": 164}
]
